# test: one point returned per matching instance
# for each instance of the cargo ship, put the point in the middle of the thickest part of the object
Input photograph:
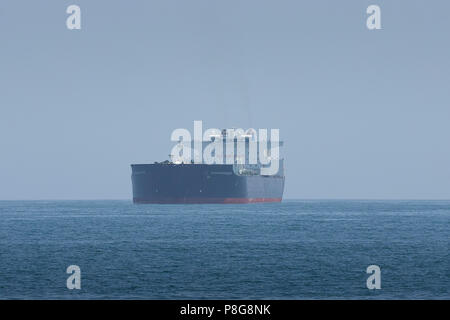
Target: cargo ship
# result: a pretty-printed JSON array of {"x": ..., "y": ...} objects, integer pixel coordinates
[{"x": 190, "y": 182}]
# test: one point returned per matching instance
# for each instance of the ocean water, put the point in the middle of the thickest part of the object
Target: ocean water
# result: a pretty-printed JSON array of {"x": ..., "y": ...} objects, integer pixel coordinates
[{"x": 292, "y": 250}]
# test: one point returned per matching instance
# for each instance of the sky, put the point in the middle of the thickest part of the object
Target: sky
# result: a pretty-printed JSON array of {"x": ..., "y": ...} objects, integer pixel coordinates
[{"x": 364, "y": 114}]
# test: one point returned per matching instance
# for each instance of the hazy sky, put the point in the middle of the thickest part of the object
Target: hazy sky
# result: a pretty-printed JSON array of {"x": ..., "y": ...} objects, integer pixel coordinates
[{"x": 364, "y": 114}]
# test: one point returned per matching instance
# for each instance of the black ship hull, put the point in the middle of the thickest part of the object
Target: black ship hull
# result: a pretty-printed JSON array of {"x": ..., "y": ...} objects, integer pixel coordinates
[{"x": 202, "y": 183}]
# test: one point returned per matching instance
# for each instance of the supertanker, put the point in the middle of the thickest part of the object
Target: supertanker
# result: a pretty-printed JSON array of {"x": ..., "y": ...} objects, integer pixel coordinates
[{"x": 173, "y": 182}]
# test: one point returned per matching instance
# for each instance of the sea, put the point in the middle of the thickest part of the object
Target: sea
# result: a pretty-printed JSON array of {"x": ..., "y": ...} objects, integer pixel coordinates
[{"x": 296, "y": 249}]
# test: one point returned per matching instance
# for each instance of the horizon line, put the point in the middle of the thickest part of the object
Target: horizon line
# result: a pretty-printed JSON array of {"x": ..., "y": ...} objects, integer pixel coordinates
[{"x": 285, "y": 199}]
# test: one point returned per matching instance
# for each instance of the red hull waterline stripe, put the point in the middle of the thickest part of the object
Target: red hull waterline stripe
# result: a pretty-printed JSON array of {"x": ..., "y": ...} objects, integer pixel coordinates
[{"x": 205, "y": 200}]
